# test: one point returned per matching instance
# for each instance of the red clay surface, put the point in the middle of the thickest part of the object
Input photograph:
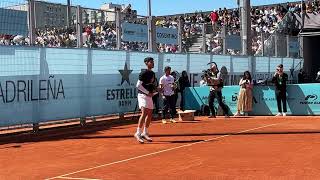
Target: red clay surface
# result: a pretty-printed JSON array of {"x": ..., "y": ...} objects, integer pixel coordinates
[{"x": 236, "y": 148}]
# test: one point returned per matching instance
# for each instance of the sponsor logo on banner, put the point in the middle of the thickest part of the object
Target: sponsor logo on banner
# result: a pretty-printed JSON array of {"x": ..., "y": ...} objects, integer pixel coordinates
[
  {"x": 139, "y": 33},
  {"x": 234, "y": 99},
  {"x": 266, "y": 99},
  {"x": 135, "y": 32},
  {"x": 31, "y": 90},
  {"x": 167, "y": 35},
  {"x": 205, "y": 99},
  {"x": 126, "y": 93},
  {"x": 310, "y": 99}
]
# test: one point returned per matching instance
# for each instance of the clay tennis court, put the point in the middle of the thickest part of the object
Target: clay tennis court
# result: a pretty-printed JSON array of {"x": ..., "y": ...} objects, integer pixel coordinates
[{"x": 235, "y": 148}]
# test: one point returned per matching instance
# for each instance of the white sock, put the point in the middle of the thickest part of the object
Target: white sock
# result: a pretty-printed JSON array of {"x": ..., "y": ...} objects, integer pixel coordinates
[
  {"x": 138, "y": 130},
  {"x": 145, "y": 131}
]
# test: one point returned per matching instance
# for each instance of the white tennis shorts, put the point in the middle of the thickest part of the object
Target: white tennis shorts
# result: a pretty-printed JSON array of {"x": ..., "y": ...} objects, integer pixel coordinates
[{"x": 145, "y": 101}]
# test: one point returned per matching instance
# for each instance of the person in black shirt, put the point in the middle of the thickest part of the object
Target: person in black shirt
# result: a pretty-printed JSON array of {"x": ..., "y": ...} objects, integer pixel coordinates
[
  {"x": 301, "y": 77},
  {"x": 215, "y": 81},
  {"x": 174, "y": 74},
  {"x": 280, "y": 81},
  {"x": 183, "y": 83},
  {"x": 146, "y": 90}
]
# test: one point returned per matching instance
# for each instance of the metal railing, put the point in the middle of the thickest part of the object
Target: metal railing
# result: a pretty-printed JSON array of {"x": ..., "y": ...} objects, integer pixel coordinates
[
  {"x": 281, "y": 37},
  {"x": 96, "y": 28}
]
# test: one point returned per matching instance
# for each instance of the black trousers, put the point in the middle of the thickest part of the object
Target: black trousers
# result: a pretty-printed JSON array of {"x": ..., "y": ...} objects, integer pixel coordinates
[
  {"x": 281, "y": 98},
  {"x": 182, "y": 101},
  {"x": 175, "y": 103},
  {"x": 169, "y": 103},
  {"x": 156, "y": 103},
  {"x": 218, "y": 95}
]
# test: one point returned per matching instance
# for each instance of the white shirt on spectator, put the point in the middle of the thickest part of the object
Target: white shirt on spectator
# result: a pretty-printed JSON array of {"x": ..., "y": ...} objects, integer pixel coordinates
[{"x": 167, "y": 82}]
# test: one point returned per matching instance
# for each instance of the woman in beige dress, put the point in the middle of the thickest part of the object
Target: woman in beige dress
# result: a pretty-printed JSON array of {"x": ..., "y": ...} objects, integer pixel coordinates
[{"x": 245, "y": 95}]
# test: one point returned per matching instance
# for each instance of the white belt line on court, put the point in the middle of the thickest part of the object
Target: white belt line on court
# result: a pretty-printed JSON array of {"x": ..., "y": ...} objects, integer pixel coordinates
[
  {"x": 76, "y": 178},
  {"x": 158, "y": 152}
]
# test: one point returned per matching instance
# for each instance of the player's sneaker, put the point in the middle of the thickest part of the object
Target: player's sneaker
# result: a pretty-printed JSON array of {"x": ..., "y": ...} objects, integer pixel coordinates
[
  {"x": 146, "y": 137},
  {"x": 279, "y": 114},
  {"x": 226, "y": 116},
  {"x": 237, "y": 114},
  {"x": 211, "y": 116},
  {"x": 172, "y": 120},
  {"x": 284, "y": 114},
  {"x": 164, "y": 121},
  {"x": 139, "y": 138}
]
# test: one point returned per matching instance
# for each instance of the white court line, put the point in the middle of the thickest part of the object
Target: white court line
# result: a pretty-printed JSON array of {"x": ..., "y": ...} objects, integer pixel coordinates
[
  {"x": 162, "y": 151},
  {"x": 76, "y": 178}
]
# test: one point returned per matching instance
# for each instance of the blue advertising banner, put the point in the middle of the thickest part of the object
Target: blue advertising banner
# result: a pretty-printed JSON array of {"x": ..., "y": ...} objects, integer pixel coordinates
[
  {"x": 45, "y": 84},
  {"x": 294, "y": 46},
  {"x": 13, "y": 22},
  {"x": 139, "y": 33},
  {"x": 167, "y": 35},
  {"x": 134, "y": 32},
  {"x": 302, "y": 99},
  {"x": 233, "y": 42}
]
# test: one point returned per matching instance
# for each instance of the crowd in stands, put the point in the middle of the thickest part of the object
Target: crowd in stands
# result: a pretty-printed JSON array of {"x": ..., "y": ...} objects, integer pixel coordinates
[
  {"x": 264, "y": 21},
  {"x": 9, "y": 40},
  {"x": 190, "y": 26}
]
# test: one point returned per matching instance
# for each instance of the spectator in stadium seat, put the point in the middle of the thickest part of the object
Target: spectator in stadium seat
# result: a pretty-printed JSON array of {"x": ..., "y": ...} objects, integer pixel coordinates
[
  {"x": 214, "y": 19},
  {"x": 127, "y": 10},
  {"x": 315, "y": 5},
  {"x": 309, "y": 7},
  {"x": 304, "y": 7},
  {"x": 245, "y": 94}
]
